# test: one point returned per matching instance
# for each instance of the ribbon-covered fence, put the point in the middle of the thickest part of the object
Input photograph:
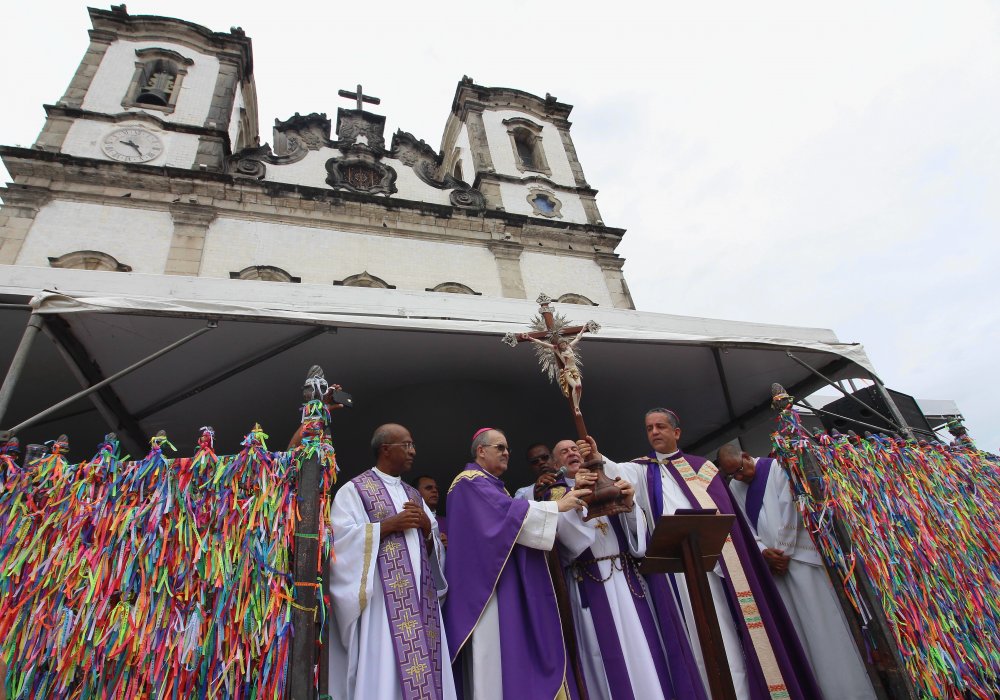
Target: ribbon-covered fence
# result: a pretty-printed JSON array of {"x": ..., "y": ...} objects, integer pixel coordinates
[
  {"x": 923, "y": 520},
  {"x": 160, "y": 578}
]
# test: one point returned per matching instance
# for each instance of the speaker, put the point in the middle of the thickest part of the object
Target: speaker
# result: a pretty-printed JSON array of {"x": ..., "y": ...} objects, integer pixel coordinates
[{"x": 853, "y": 415}]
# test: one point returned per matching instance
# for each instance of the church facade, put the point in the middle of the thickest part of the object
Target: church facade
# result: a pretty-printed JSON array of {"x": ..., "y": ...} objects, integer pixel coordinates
[{"x": 151, "y": 163}]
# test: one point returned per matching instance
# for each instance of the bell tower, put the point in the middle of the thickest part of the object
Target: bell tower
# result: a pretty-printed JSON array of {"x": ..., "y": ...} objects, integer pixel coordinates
[{"x": 159, "y": 91}]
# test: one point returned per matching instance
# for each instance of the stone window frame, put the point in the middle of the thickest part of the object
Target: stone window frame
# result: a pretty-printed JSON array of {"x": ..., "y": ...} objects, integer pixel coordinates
[
  {"x": 519, "y": 127},
  {"x": 88, "y": 260},
  {"x": 574, "y": 298},
  {"x": 149, "y": 58},
  {"x": 534, "y": 193},
  {"x": 365, "y": 280},
  {"x": 454, "y": 288},
  {"x": 264, "y": 273}
]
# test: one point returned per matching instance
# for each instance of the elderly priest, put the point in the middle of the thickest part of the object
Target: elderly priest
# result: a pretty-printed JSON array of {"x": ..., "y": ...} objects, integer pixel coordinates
[
  {"x": 501, "y": 615},
  {"x": 386, "y": 628}
]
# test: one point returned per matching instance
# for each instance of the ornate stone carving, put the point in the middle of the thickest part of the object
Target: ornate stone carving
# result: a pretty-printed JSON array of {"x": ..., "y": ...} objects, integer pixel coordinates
[
  {"x": 426, "y": 163},
  {"x": 299, "y": 134},
  {"x": 358, "y": 130},
  {"x": 467, "y": 199},
  {"x": 362, "y": 175}
]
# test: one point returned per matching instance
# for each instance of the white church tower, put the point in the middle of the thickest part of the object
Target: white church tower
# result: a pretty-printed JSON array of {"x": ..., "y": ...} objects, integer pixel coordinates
[{"x": 151, "y": 163}]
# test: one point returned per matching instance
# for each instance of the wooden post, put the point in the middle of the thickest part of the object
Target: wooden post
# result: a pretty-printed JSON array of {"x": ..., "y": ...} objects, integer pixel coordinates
[{"x": 303, "y": 657}]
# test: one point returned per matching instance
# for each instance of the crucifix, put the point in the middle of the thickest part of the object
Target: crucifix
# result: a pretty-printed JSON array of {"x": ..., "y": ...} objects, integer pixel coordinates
[
  {"x": 359, "y": 96},
  {"x": 556, "y": 345}
]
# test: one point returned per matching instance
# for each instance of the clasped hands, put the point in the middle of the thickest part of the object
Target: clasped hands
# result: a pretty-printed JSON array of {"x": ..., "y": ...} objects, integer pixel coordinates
[{"x": 411, "y": 516}]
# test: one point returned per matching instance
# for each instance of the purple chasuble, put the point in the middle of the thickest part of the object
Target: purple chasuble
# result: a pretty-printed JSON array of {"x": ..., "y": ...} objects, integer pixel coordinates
[
  {"x": 483, "y": 559},
  {"x": 412, "y": 609},
  {"x": 442, "y": 523},
  {"x": 792, "y": 661},
  {"x": 756, "y": 489}
]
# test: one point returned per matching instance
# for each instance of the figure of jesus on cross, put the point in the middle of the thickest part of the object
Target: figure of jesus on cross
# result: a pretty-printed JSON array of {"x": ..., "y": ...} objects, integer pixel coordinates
[{"x": 558, "y": 356}]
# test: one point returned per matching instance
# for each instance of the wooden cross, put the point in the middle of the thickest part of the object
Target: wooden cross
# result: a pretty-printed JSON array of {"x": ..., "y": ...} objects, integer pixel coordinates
[
  {"x": 560, "y": 341},
  {"x": 359, "y": 96}
]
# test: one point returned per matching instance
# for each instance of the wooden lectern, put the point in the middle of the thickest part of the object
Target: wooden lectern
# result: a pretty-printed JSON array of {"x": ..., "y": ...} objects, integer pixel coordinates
[{"x": 691, "y": 543}]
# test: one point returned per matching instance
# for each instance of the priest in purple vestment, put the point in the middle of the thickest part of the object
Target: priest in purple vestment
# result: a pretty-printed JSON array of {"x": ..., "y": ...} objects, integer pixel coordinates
[
  {"x": 500, "y": 617},
  {"x": 762, "y": 649}
]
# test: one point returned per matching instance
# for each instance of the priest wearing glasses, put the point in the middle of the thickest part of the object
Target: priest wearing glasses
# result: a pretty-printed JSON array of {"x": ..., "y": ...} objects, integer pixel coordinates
[{"x": 501, "y": 617}]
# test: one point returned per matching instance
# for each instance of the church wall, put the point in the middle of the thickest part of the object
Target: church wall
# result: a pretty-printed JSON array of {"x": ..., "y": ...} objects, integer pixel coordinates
[
  {"x": 311, "y": 172},
  {"x": 320, "y": 256},
  {"x": 136, "y": 237},
  {"x": 515, "y": 201},
  {"x": 114, "y": 79},
  {"x": 234, "y": 121},
  {"x": 560, "y": 274},
  {"x": 503, "y": 152},
  {"x": 84, "y": 140}
]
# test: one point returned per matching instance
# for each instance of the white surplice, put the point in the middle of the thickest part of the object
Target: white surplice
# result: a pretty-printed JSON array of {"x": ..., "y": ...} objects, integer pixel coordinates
[
  {"x": 807, "y": 592},
  {"x": 574, "y": 536},
  {"x": 481, "y": 671},
  {"x": 362, "y": 657},
  {"x": 673, "y": 500}
]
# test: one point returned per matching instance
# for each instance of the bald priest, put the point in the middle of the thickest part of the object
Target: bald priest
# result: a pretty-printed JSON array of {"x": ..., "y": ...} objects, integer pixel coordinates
[{"x": 501, "y": 617}]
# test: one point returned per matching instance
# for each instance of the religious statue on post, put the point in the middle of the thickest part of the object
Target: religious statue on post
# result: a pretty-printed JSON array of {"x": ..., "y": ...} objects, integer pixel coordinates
[{"x": 556, "y": 345}]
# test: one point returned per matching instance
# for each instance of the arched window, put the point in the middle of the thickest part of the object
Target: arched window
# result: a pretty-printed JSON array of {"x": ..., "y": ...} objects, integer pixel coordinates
[
  {"x": 572, "y": 298},
  {"x": 364, "y": 279},
  {"x": 157, "y": 79},
  {"x": 263, "y": 273},
  {"x": 526, "y": 139},
  {"x": 457, "y": 172},
  {"x": 454, "y": 288},
  {"x": 88, "y": 260}
]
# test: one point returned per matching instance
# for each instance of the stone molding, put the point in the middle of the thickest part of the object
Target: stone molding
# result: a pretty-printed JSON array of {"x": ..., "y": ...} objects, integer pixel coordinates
[
  {"x": 89, "y": 260},
  {"x": 364, "y": 280},
  {"x": 104, "y": 182}
]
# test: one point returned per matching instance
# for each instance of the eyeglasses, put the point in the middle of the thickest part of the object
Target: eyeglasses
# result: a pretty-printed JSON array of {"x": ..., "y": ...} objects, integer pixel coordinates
[
  {"x": 501, "y": 448},
  {"x": 405, "y": 445},
  {"x": 539, "y": 458},
  {"x": 732, "y": 475}
]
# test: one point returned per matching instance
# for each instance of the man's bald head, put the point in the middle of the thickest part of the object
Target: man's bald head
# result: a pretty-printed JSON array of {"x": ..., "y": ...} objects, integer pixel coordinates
[{"x": 567, "y": 454}]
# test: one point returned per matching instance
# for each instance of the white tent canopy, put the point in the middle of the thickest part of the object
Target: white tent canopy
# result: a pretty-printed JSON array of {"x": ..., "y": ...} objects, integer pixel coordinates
[{"x": 431, "y": 361}]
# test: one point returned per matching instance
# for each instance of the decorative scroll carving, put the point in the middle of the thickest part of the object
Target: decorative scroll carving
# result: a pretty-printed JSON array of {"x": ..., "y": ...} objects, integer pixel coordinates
[
  {"x": 299, "y": 134},
  {"x": 426, "y": 163}
]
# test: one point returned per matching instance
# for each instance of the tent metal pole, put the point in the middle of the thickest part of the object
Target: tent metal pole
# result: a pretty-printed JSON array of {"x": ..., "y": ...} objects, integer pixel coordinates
[
  {"x": 893, "y": 408},
  {"x": 852, "y": 397},
  {"x": 806, "y": 404},
  {"x": 114, "y": 377},
  {"x": 758, "y": 414},
  {"x": 243, "y": 366},
  {"x": 17, "y": 364}
]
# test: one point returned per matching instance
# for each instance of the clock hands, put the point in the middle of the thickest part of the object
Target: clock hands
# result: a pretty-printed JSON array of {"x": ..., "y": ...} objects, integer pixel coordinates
[{"x": 132, "y": 143}]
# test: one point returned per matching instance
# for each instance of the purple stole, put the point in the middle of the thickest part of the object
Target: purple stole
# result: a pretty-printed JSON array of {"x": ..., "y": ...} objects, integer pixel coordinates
[
  {"x": 756, "y": 489},
  {"x": 413, "y": 614},
  {"x": 594, "y": 596},
  {"x": 483, "y": 559},
  {"x": 795, "y": 668}
]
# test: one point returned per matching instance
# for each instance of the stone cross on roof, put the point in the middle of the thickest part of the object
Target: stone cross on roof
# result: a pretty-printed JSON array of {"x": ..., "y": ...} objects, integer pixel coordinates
[{"x": 359, "y": 96}]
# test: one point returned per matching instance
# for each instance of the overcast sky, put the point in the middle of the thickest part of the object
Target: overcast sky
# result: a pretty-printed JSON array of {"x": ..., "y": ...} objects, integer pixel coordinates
[{"x": 781, "y": 162}]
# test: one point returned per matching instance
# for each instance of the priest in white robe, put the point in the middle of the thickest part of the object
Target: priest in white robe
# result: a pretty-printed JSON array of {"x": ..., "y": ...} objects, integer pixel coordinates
[
  {"x": 620, "y": 649},
  {"x": 387, "y": 636},
  {"x": 762, "y": 489}
]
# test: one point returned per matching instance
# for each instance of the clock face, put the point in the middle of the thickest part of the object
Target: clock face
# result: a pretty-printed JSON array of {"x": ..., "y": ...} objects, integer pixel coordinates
[{"x": 132, "y": 145}]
